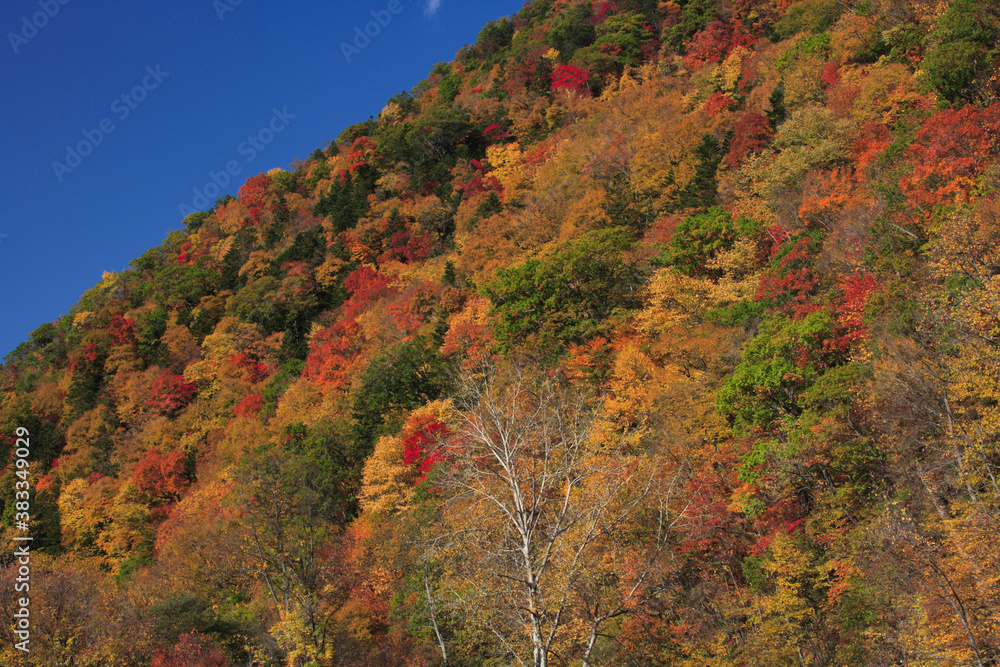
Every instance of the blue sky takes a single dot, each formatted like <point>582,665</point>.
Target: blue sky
<point>152,98</point>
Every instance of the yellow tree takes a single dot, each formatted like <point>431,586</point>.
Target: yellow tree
<point>939,391</point>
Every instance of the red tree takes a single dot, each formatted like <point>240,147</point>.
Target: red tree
<point>162,475</point>
<point>363,151</point>
<point>752,134</point>
<point>495,132</point>
<point>718,102</point>
<point>570,78</point>
<point>192,650</point>
<point>332,353</point>
<point>170,393</point>
<point>607,8</point>
<point>868,144</point>
<point>249,406</point>
<point>949,152</point>
<point>857,290</point>
<point>366,285</point>
<point>405,246</point>
<point>419,449</point>
<point>248,368</point>
<point>122,330</point>
<point>791,285</point>
<point>482,180</point>
<point>714,43</point>
<point>87,361</point>
<point>254,195</point>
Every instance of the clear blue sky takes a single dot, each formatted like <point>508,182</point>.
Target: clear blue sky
<point>205,84</point>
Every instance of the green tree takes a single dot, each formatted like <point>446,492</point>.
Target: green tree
<point>449,274</point>
<point>626,207</point>
<point>291,508</point>
<point>151,327</point>
<point>964,54</point>
<point>626,35</point>
<point>784,360</point>
<point>571,30</point>
<point>777,113</point>
<point>695,15</point>
<point>567,297</point>
<point>230,278</point>
<point>700,238</point>
<point>183,285</point>
<point>493,39</point>
<point>703,189</point>
<point>404,377</point>
<point>193,222</point>
<point>347,199</point>
<point>258,303</point>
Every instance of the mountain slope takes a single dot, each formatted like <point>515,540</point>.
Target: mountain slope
<point>640,333</point>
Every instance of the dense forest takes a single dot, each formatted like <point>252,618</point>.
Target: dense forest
<point>642,333</point>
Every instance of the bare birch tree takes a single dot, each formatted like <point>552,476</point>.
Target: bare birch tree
<point>535,507</point>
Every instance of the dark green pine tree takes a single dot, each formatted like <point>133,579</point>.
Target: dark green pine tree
<point>777,115</point>
<point>702,191</point>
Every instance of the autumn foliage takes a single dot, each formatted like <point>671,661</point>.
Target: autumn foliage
<point>752,134</point>
<point>420,449</point>
<point>250,406</point>
<point>571,79</point>
<point>191,650</point>
<point>949,152</point>
<point>169,393</point>
<point>162,475</point>
<point>253,195</point>
<point>122,330</point>
<point>714,43</point>
<point>642,333</point>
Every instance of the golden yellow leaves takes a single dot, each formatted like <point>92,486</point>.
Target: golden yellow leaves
<point>328,273</point>
<point>785,613</point>
<point>526,114</point>
<point>82,318</point>
<point>387,482</point>
<point>295,636</point>
<point>584,215</point>
<point>306,402</point>
<point>632,391</point>
<point>91,431</point>
<point>104,517</point>
<point>255,266</point>
<point>131,392</point>
<point>885,92</point>
<point>230,336</point>
<point>508,167</point>
<point>678,299</point>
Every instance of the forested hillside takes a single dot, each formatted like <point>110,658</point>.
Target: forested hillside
<point>642,333</point>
